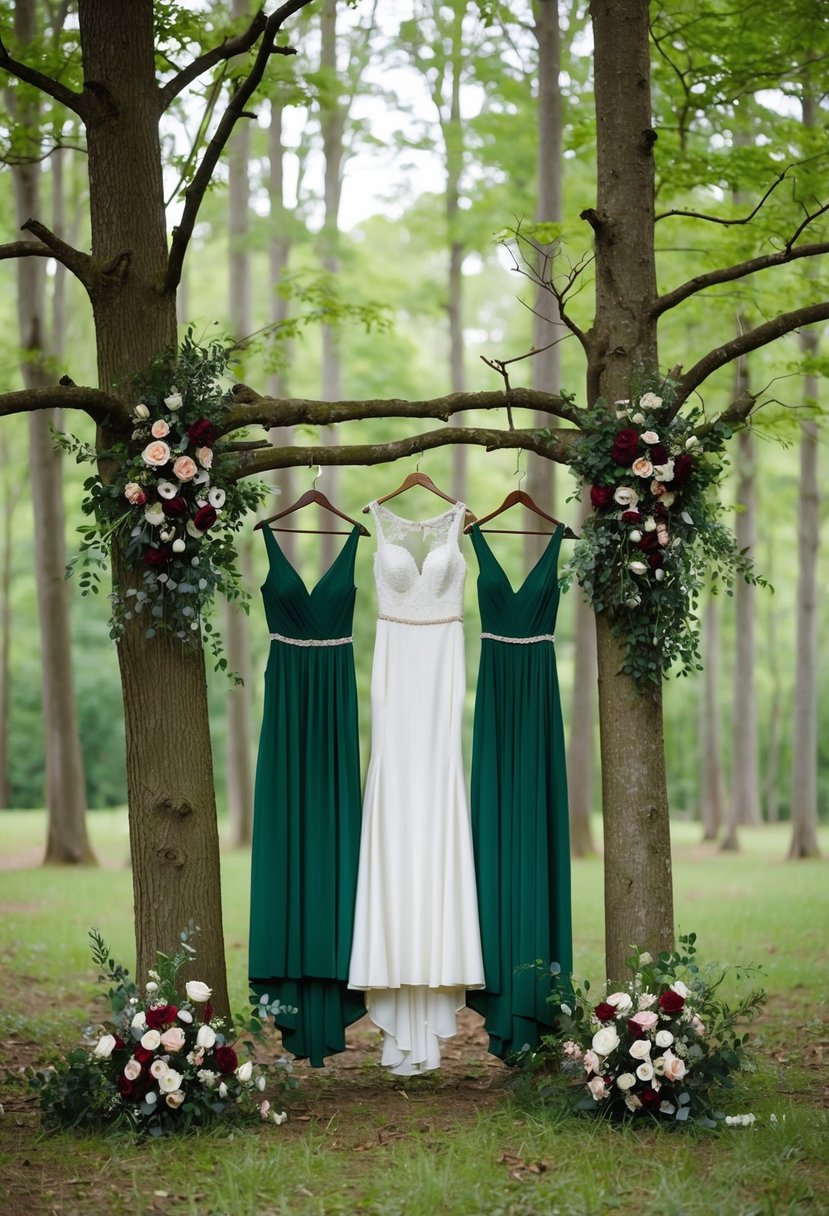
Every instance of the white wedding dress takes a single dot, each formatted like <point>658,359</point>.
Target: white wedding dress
<point>416,942</point>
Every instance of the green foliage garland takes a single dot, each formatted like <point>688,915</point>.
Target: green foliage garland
<point>171,507</point>
<point>655,530</point>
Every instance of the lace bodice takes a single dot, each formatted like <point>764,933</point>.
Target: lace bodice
<point>418,567</point>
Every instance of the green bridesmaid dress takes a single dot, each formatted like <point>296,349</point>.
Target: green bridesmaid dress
<point>520,822</point>
<point>306,830</point>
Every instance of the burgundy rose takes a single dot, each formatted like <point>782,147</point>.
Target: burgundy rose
<point>624,446</point>
<point>174,506</point>
<point>226,1060</point>
<point>660,510</point>
<point>202,433</point>
<point>659,454</point>
<point>649,1097</point>
<point>205,517</point>
<point>635,1030</point>
<point>119,1042</point>
<point>631,517</point>
<point>160,1016</point>
<point>142,1085</point>
<point>605,1012</point>
<point>683,466</point>
<point>143,1054</point>
<point>649,542</point>
<point>157,557</point>
<point>671,1002</point>
<point>125,1086</point>
<point>601,496</point>
<point>655,560</point>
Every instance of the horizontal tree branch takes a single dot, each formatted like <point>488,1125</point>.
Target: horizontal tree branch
<point>53,88</point>
<point>727,274</point>
<point>100,406</point>
<point>750,339</point>
<point>73,259</point>
<point>250,409</point>
<point>716,219</point>
<point>194,193</point>
<point>198,66</point>
<point>553,446</point>
<point>735,416</point>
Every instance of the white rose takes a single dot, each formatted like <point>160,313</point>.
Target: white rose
<point>680,989</point>
<point>626,497</point>
<point>197,992</point>
<point>151,986</point>
<point>151,1040</point>
<point>641,1049</point>
<point>206,1036</point>
<point>664,472</point>
<point>245,1071</point>
<point>620,1001</point>
<point>174,401</point>
<point>132,1069</point>
<point>184,1015</point>
<point>637,418</point>
<point>158,1068</point>
<point>175,1099</point>
<point>650,401</point>
<point>139,1020</point>
<point>154,514</point>
<point>645,1071</point>
<point>625,1080</point>
<point>141,410</point>
<point>105,1046</point>
<point>170,1082</point>
<point>664,1038</point>
<point>605,1040</point>
<point>638,567</point>
<point>649,437</point>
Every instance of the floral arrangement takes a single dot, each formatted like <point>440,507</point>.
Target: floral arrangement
<point>658,1047</point>
<point>162,1064</point>
<point>172,504</point>
<point>655,531</point>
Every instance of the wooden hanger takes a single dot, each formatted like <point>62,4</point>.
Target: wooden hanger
<point>523,499</point>
<point>420,479</point>
<point>307,499</point>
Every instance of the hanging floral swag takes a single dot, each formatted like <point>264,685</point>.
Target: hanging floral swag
<point>655,530</point>
<point>171,507</point>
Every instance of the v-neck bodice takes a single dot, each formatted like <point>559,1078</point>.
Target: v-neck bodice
<point>528,611</point>
<point>324,612</point>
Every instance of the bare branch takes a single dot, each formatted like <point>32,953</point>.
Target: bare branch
<point>727,274</point>
<point>251,409</point>
<point>100,406</point>
<point>80,264</point>
<point>735,416</point>
<point>750,339</point>
<point>46,84</point>
<point>197,67</point>
<point>554,445</point>
<point>194,193</point>
<point>716,219</point>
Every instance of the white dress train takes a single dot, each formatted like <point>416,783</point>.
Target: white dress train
<point>416,942</point>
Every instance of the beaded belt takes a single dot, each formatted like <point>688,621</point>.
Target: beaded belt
<point>278,637</point>
<point>402,620</point>
<point>542,637</point>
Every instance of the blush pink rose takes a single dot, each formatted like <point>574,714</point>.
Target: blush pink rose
<point>205,457</point>
<point>134,494</point>
<point>156,454</point>
<point>185,468</point>
<point>674,1068</point>
<point>658,488</point>
<point>645,1019</point>
<point>173,1039</point>
<point>597,1088</point>
<point>591,1061</point>
<point>160,429</point>
<point>642,467</point>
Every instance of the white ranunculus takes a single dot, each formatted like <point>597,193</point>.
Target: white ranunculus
<point>625,1080</point>
<point>179,545</point>
<point>626,497</point>
<point>132,1069</point>
<point>664,1038</point>
<point>151,1040</point>
<point>605,1040</point>
<point>141,410</point>
<point>245,1071</point>
<point>197,992</point>
<point>216,497</point>
<point>170,1082</point>
<point>105,1046</point>
<point>620,1001</point>
<point>649,437</point>
<point>154,514</point>
<point>638,567</point>
<point>174,401</point>
<point>650,401</point>
<point>640,1049</point>
<point>645,1071</point>
<point>206,1036</point>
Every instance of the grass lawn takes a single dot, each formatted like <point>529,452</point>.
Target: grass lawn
<point>460,1141</point>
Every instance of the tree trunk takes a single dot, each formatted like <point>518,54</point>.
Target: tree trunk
<point>637,845</point>
<point>580,745</point>
<point>239,752</point>
<point>173,830</point>
<point>67,841</point>
<point>453,139</point>
<point>770,794</point>
<point>710,777</point>
<point>804,841</point>
<point>745,763</point>
<point>11,497</point>
<point>546,366</point>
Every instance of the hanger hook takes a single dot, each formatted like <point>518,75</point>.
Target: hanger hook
<point>317,476</point>
<point>519,472</point>
<point>419,458</point>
